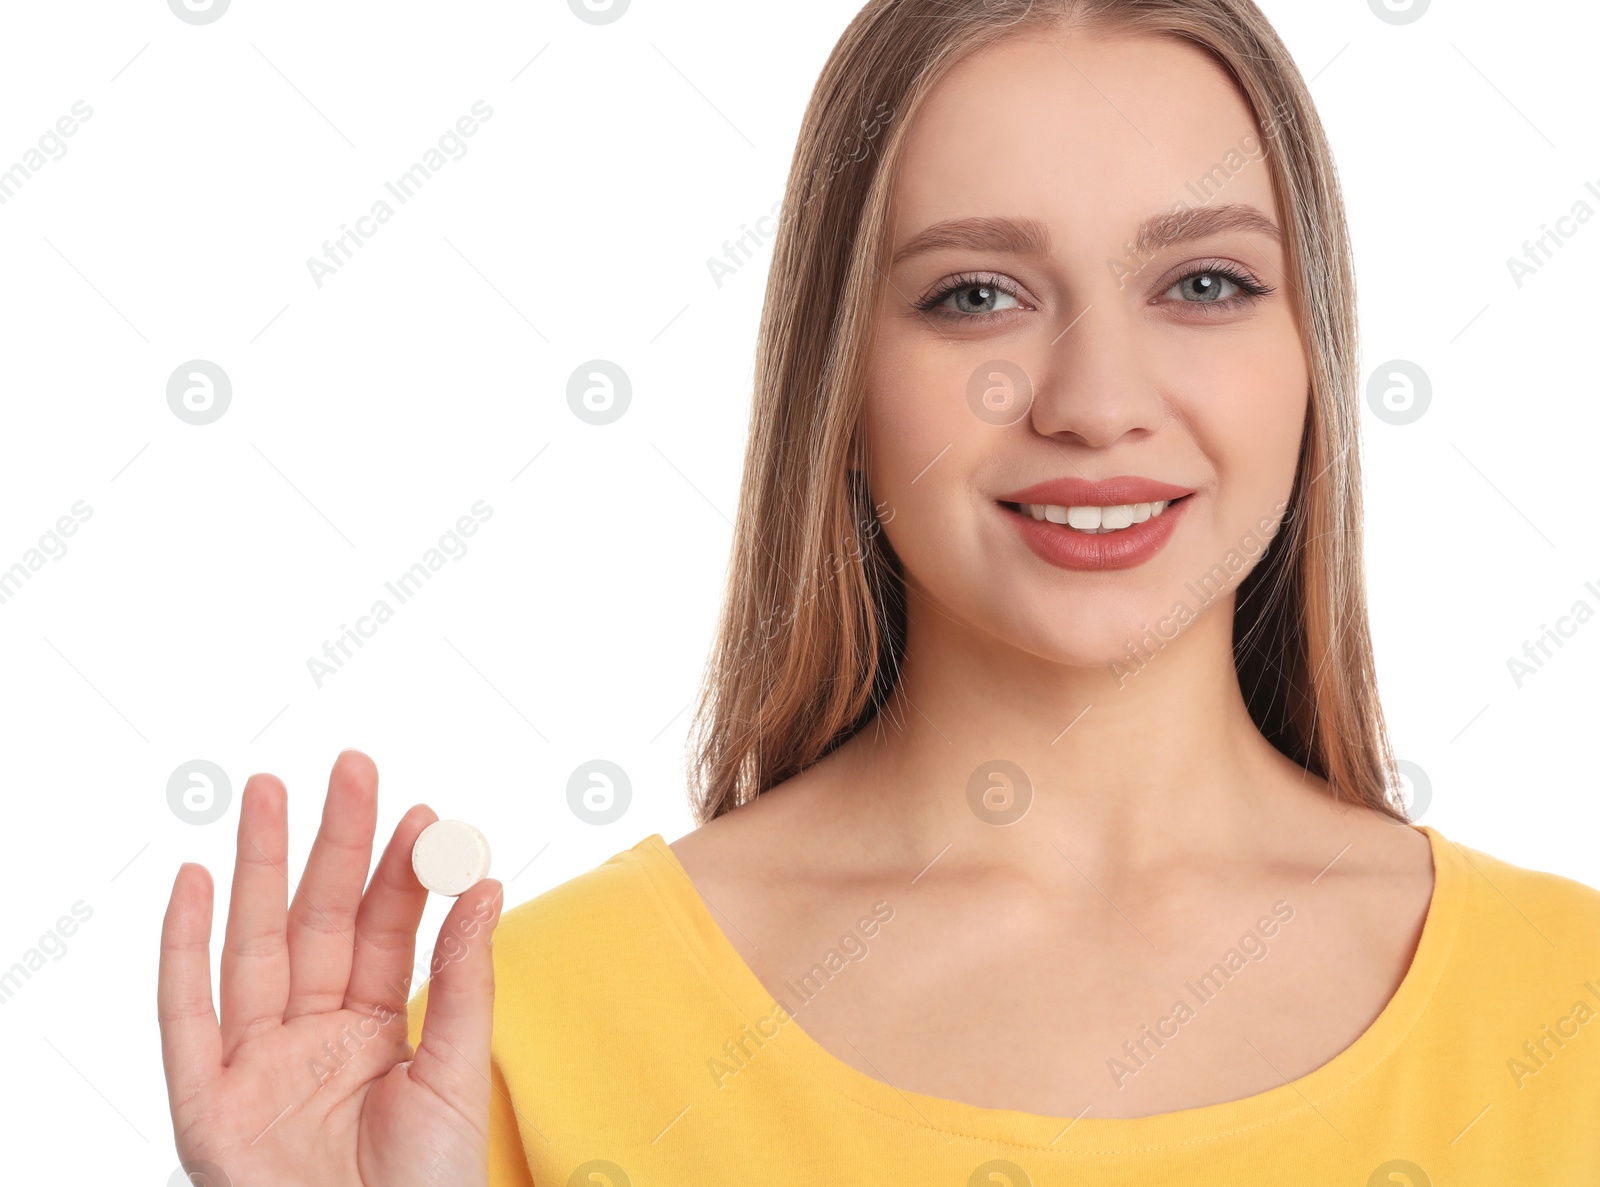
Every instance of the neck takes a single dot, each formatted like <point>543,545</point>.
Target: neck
<point>1136,762</point>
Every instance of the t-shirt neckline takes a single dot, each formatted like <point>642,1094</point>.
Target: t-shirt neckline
<point>726,969</point>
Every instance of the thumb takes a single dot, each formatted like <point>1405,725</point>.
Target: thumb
<point>452,1057</point>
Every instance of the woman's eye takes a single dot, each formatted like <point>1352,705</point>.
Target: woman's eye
<point>1204,287</point>
<point>1217,286</point>
<point>971,298</point>
<point>979,297</point>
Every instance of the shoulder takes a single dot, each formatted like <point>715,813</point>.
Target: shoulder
<point>612,909</point>
<point>1526,905</point>
<point>559,953</point>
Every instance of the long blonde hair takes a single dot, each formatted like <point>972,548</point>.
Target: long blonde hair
<point>812,629</point>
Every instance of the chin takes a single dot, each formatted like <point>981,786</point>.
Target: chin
<point>1110,640</point>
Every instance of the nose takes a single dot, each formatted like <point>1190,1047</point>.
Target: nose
<point>1093,384</point>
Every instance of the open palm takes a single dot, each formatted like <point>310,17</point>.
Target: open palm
<point>308,1079</point>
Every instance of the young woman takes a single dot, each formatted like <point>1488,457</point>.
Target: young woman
<point>1048,825</point>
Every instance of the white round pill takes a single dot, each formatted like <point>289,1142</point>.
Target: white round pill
<point>450,857</point>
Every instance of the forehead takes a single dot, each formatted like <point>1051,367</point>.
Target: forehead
<point>1089,132</point>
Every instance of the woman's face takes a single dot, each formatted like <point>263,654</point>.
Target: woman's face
<point>1002,361</point>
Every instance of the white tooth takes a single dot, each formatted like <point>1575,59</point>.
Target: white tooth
<point>1085,519</point>
<point>1116,517</point>
<point>1096,519</point>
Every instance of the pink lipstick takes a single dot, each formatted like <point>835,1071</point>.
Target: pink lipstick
<point>1115,523</point>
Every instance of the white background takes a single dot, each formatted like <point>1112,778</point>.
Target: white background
<point>430,372</point>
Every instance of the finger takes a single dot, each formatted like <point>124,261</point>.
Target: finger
<point>255,951</point>
<point>191,1041</point>
<point>322,917</point>
<point>452,1058</point>
<point>386,925</point>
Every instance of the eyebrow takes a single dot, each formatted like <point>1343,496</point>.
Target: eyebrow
<point>1029,236</point>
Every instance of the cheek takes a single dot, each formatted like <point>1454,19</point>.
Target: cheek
<point>1245,403</point>
<point>922,438</point>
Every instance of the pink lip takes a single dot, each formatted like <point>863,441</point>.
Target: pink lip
<point>1066,548</point>
<point>1108,492</point>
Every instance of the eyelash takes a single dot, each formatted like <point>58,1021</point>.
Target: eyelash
<point>1250,289</point>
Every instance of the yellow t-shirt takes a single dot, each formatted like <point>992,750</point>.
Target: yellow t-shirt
<point>633,1045</point>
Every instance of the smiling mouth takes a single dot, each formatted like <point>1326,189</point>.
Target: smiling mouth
<point>1094,520</point>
